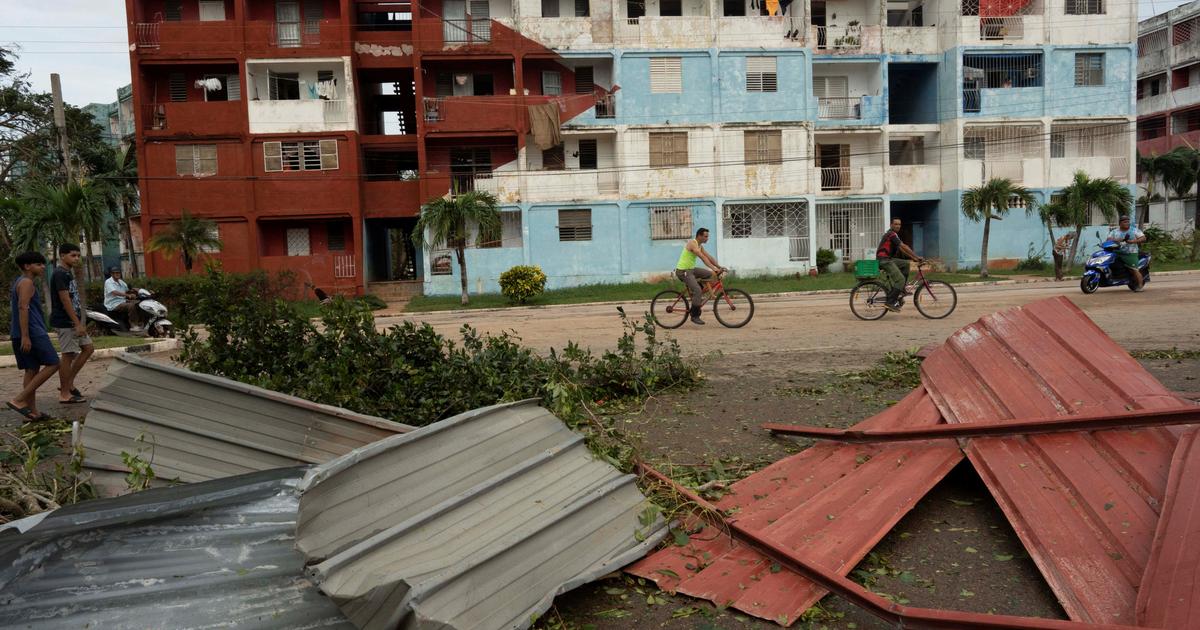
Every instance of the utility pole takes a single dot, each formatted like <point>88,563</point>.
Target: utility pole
<point>60,121</point>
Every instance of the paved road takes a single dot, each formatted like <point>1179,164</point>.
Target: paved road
<point>1164,316</point>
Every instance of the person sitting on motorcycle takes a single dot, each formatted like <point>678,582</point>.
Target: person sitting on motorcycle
<point>1128,255</point>
<point>894,267</point>
<point>120,301</point>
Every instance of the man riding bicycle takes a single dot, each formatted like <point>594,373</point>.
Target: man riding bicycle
<point>895,268</point>
<point>687,271</point>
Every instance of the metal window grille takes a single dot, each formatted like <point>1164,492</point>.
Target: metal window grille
<point>906,151</point>
<point>1019,70</point>
<point>1151,128</point>
<point>763,147</point>
<point>670,222</point>
<point>305,155</point>
<point>1089,69</point>
<point>1003,142</point>
<point>1096,140</point>
<point>770,220</point>
<point>177,87</point>
<point>298,243</point>
<point>606,106</point>
<point>853,227</point>
<point>574,225</point>
<point>335,234</point>
<point>551,83</point>
<point>668,149</point>
<point>984,8</point>
<point>1184,31</point>
<point>585,82</point>
<point>440,263</point>
<point>761,74</point>
<point>214,232</point>
<point>1152,42</point>
<point>666,75</point>
<point>588,154</point>
<point>343,266</point>
<point>1085,7</point>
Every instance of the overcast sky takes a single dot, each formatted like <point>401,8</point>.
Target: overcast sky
<point>86,42</point>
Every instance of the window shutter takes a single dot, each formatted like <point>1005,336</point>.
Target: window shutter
<point>584,80</point>
<point>329,155</point>
<point>551,83</point>
<point>272,157</point>
<point>554,159</point>
<point>444,85</point>
<point>587,154</point>
<point>656,150</point>
<point>272,86</point>
<point>212,10</point>
<point>177,87</point>
<point>233,87</point>
<point>480,10</point>
<point>666,75</point>
<point>574,225</point>
<point>549,8</point>
<point>335,236</point>
<point>760,74</point>
<point>680,150</point>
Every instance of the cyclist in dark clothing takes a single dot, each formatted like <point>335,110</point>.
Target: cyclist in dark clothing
<point>896,268</point>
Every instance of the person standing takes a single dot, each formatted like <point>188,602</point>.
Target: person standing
<point>30,338</point>
<point>65,317</point>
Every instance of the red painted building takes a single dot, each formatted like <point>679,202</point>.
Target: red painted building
<point>311,131</point>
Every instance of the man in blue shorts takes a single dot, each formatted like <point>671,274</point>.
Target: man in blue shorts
<point>30,338</point>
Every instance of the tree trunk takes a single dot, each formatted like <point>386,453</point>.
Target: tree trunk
<point>462,271</point>
<point>987,228</point>
<point>187,262</point>
<point>1058,259</point>
<point>1074,247</point>
<point>133,267</point>
<point>1195,240</point>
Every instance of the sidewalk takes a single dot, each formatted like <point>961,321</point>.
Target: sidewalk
<point>165,345</point>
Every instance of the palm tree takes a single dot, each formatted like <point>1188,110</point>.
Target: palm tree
<point>1153,168</point>
<point>121,185</point>
<point>61,213</point>
<point>991,201</point>
<point>1050,214</point>
<point>1086,194</point>
<point>187,236</point>
<point>445,222</point>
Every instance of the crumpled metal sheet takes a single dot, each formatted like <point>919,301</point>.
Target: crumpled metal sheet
<point>213,554</point>
<point>1169,594</point>
<point>197,427</point>
<point>475,522</point>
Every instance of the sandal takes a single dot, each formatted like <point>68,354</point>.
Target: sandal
<point>74,400</point>
<point>29,414</point>
<point>75,392</point>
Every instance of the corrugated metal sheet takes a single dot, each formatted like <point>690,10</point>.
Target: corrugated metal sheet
<point>1169,595</point>
<point>1085,504</point>
<point>213,554</point>
<point>202,427</point>
<point>831,502</point>
<point>474,522</point>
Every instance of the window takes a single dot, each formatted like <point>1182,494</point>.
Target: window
<point>670,223</point>
<point>304,155</point>
<point>760,74</point>
<point>177,87</point>
<point>733,8</point>
<point>336,235</point>
<point>297,242</point>
<point>906,151</point>
<point>550,8</point>
<point>212,10</point>
<point>770,220</point>
<point>1085,7</point>
<point>551,83</point>
<point>214,232</point>
<point>509,234</point>
<point>763,147</point>
<point>196,160</point>
<point>1058,145</point>
<point>666,75</point>
<point>585,82</point>
<point>228,87</point>
<point>582,8</point>
<point>441,265</point>
<point>973,148</point>
<point>553,159</point>
<point>587,155</point>
<point>1089,69</point>
<point>283,86</point>
<point>173,10</point>
<point>670,8</point>
<point>668,149</point>
<point>574,225</point>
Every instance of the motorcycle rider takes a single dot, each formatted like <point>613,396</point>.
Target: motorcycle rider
<point>120,301</point>
<point>1128,255</point>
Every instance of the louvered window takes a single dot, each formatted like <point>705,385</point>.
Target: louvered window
<point>336,235</point>
<point>831,87</point>
<point>587,155</point>
<point>195,160</point>
<point>1089,69</point>
<point>666,75</point>
<point>177,87</point>
<point>668,149</point>
<point>551,83</point>
<point>283,86</point>
<point>763,147</point>
<point>305,155</point>
<point>584,80</point>
<point>760,74</point>
<point>574,225</point>
<point>670,223</point>
<point>444,85</point>
<point>173,10</point>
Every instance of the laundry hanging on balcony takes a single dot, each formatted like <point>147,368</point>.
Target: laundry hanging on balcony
<point>327,90</point>
<point>211,84</point>
<point>544,125</point>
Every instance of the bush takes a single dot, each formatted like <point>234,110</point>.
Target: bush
<point>1033,261</point>
<point>522,283</point>
<point>825,257</point>
<point>181,294</point>
<point>1164,246</point>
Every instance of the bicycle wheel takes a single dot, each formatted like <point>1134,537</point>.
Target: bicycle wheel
<point>935,299</point>
<point>867,301</point>
<point>733,308</point>
<point>669,309</point>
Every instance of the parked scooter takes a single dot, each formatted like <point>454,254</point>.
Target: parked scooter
<point>153,311</point>
<point>1102,270</point>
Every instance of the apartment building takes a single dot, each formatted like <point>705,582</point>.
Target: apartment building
<point>313,130</point>
<point>1168,99</point>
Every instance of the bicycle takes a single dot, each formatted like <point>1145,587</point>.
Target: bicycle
<point>670,308</point>
<point>933,298</point>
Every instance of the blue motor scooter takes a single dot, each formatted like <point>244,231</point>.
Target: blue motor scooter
<point>1103,270</point>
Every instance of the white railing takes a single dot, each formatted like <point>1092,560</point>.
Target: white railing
<point>334,111</point>
<point>798,248</point>
<point>1002,28</point>
<point>147,34</point>
<point>839,108</point>
<point>840,178</point>
<point>433,108</point>
<point>1013,170</point>
<point>344,267</point>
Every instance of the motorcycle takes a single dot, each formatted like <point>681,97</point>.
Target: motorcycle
<point>155,314</point>
<point>1103,270</point>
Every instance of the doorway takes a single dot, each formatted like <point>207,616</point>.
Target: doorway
<point>391,255</point>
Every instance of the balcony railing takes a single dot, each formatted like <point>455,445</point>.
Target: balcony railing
<point>839,108</point>
<point>838,38</point>
<point>334,111</point>
<point>972,101</point>
<point>1002,28</point>
<point>147,34</point>
<point>606,106</point>
<point>840,178</point>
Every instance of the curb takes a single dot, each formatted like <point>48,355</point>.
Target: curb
<point>107,353</point>
<point>778,295</point>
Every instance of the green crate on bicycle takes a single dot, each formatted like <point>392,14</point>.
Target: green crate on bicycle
<point>864,269</point>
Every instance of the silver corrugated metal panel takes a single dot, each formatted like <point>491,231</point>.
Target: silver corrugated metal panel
<point>213,554</point>
<point>204,427</point>
<point>474,522</point>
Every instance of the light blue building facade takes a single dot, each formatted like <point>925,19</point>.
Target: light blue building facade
<point>791,133</point>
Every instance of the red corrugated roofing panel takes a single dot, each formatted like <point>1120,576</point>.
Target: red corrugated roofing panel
<point>831,502</point>
<point>1085,504</point>
<point>1169,596</point>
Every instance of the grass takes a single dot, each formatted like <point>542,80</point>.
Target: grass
<point>632,291</point>
<point>99,342</point>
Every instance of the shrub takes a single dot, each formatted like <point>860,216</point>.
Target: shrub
<point>1033,261</point>
<point>1164,246</point>
<point>825,257</point>
<point>523,282</point>
<point>181,294</point>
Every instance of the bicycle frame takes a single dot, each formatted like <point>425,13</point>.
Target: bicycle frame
<point>710,289</point>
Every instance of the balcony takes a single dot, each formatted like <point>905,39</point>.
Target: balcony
<point>914,178</point>
<point>303,95</point>
<point>851,39</point>
<point>314,36</point>
<point>735,32</point>
<point>1021,22</point>
<point>651,31</point>
<point>606,106</point>
<point>839,179</point>
<point>392,198</point>
<point>432,34</point>
<point>461,114</point>
<point>840,108</point>
<point>195,118</point>
<point>300,116</point>
<point>190,37</point>
<point>911,40</point>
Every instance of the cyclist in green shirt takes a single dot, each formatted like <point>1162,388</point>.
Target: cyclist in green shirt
<point>687,271</point>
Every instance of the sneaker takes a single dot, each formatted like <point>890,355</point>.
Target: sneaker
<point>892,306</point>
<point>696,320</point>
